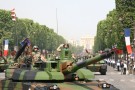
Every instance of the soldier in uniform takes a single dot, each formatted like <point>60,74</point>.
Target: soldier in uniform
<point>36,55</point>
<point>64,46</point>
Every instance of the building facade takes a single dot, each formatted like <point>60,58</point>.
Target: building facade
<point>87,42</point>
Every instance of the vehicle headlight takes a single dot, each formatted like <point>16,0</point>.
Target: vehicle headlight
<point>55,86</point>
<point>104,85</point>
<point>56,57</point>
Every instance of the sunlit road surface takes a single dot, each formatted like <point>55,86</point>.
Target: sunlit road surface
<point>2,75</point>
<point>122,82</point>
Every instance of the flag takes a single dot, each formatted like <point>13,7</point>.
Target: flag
<point>25,41</point>
<point>119,51</point>
<point>13,14</point>
<point>127,40</point>
<point>5,47</point>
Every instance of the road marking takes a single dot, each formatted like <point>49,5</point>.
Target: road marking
<point>111,79</point>
<point>132,80</point>
<point>112,73</point>
<point>101,80</point>
<point>122,80</point>
<point>119,73</point>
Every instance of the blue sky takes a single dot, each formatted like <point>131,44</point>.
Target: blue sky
<point>76,18</point>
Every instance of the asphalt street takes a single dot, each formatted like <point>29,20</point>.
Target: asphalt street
<point>2,76</point>
<point>122,82</point>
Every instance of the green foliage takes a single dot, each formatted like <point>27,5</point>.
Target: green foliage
<point>110,31</point>
<point>17,30</point>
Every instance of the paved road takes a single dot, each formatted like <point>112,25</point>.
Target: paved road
<point>2,76</point>
<point>122,82</point>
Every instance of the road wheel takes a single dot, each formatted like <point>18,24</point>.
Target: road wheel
<point>103,72</point>
<point>1,70</point>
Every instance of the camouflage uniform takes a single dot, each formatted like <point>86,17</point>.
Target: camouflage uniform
<point>36,56</point>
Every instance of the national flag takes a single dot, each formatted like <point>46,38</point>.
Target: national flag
<point>119,51</point>
<point>127,40</point>
<point>6,48</point>
<point>13,14</point>
<point>25,41</point>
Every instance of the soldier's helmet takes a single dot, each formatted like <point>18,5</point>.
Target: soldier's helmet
<point>35,47</point>
<point>66,46</point>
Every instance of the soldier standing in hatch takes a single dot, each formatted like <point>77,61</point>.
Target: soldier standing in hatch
<point>64,46</point>
<point>37,55</point>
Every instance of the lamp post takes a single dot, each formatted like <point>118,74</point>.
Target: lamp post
<point>111,38</point>
<point>34,38</point>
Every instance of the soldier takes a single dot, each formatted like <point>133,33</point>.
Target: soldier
<point>122,67</point>
<point>64,52</point>
<point>64,46</point>
<point>37,55</point>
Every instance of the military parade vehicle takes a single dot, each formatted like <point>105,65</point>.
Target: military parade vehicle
<point>57,73</point>
<point>3,63</point>
<point>98,67</point>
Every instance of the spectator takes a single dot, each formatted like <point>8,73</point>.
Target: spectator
<point>118,65</point>
<point>134,69</point>
<point>122,67</point>
<point>125,68</point>
<point>130,67</point>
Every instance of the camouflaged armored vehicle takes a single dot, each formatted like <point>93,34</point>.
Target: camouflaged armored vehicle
<point>98,67</point>
<point>54,74</point>
<point>3,63</point>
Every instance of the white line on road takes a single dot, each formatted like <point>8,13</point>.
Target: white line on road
<point>111,79</point>
<point>132,80</point>
<point>122,80</point>
<point>112,73</point>
<point>101,80</point>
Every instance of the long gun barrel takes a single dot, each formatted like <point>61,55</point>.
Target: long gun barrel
<point>82,64</point>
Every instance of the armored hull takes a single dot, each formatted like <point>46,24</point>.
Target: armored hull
<point>63,85</point>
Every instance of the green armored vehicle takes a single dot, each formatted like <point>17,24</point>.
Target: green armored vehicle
<point>98,67</point>
<point>3,63</point>
<point>55,74</point>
